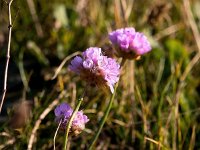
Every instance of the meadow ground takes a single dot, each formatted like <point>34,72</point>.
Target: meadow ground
<point>156,105</point>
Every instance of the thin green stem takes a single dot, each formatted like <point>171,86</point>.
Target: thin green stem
<point>103,120</point>
<point>70,122</point>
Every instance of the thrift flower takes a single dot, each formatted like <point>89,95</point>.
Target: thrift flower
<point>129,43</point>
<point>63,113</point>
<point>79,122</point>
<point>96,68</point>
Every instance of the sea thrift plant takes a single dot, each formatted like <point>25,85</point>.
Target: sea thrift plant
<point>129,43</point>
<point>63,113</point>
<point>96,68</point>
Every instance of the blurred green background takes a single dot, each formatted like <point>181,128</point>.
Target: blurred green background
<point>157,102</point>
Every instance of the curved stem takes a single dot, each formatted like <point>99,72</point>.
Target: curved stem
<point>103,120</point>
<point>54,139</point>
<point>70,122</point>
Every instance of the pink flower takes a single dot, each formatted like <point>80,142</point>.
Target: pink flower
<point>79,122</point>
<point>96,69</point>
<point>140,44</point>
<point>129,43</point>
<point>76,64</point>
<point>63,113</point>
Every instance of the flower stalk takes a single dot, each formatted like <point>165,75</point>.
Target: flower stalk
<point>70,122</point>
<point>103,120</point>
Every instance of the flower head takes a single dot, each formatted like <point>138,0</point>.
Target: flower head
<point>63,113</point>
<point>96,68</point>
<point>79,122</point>
<point>129,43</point>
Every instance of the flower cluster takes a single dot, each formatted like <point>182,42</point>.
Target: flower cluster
<point>63,113</point>
<point>96,68</point>
<point>101,71</point>
<point>129,43</point>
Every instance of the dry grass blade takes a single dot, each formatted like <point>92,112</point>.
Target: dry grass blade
<point>9,142</point>
<point>42,116</point>
<point>37,124</point>
<point>194,28</point>
<point>63,63</point>
<point>5,134</point>
<point>154,141</point>
<point>34,15</point>
<point>8,53</point>
<point>168,31</point>
<point>54,139</point>
<point>192,140</point>
<point>190,17</point>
